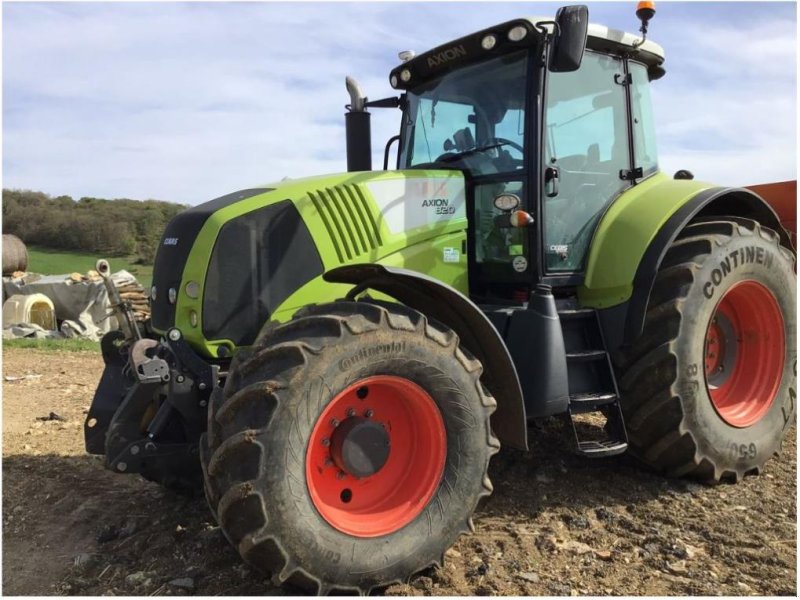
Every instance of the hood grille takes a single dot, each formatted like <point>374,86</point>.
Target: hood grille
<point>351,225</point>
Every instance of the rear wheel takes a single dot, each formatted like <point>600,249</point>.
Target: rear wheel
<point>709,389</point>
<point>350,448</point>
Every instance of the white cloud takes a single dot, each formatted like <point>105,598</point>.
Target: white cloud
<point>188,102</point>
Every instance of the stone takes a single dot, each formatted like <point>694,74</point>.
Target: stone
<point>529,576</point>
<point>186,583</point>
<point>135,578</point>
<point>82,560</point>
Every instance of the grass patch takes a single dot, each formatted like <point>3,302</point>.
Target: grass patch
<point>54,345</point>
<point>57,262</point>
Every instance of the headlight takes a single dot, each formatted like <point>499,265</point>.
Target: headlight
<point>193,290</point>
<point>517,34</point>
<point>488,42</point>
<point>405,75</point>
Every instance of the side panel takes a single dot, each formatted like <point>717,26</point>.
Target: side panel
<point>440,257</point>
<point>352,218</point>
<point>624,234</point>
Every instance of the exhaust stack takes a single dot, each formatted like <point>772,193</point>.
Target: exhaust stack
<point>357,129</point>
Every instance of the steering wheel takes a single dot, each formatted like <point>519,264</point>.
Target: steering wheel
<point>506,142</point>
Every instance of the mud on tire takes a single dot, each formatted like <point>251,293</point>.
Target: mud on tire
<point>672,422</point>
<point>254,453</point>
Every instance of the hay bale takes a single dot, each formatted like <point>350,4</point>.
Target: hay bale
<point>15,254</point>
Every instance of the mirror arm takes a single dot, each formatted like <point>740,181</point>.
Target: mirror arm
<point>540,26</point>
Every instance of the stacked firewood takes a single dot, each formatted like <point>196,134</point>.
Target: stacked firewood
<point>137,296</point>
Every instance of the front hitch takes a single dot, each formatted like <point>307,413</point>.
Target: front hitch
<point>149,409</point>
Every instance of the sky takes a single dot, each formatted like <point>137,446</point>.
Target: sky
<point>186,102</point>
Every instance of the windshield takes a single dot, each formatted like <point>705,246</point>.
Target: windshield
<point>474,115</point>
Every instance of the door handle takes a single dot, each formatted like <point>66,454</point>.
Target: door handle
<point>551,177</point>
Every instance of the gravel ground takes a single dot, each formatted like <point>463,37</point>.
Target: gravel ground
<point>557,524</point>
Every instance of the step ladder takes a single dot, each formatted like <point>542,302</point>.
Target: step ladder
<point>592,384</point>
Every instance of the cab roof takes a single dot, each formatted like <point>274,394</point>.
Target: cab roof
<point>468,49</point>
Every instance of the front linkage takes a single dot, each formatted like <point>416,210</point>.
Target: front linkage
<point>150,406</point>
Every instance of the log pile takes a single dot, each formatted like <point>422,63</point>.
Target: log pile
<point>137,296</point>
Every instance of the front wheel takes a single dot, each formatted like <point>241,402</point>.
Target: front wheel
<point>350,449</point>
<point>709,390</point>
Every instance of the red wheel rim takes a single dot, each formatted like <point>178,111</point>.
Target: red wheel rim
<point>394,495</point>
<point>745,353</point>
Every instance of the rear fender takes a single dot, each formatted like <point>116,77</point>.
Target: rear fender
<point>450,307</point>
<point>714,202</point>
<point>636,236</point>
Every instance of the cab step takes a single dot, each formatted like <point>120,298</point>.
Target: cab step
<point>590,402</point>
<point>595,449</point>
<point>586,355</point>
<point>592,384</point>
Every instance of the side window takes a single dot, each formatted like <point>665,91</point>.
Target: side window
<point>644,129</point>
<point>586,145</point>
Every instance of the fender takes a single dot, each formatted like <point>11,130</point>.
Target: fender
<point>450,307</point>
<point>634,235</point>
<point>714,202</point>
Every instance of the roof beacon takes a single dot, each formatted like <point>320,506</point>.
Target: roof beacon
<point>645,10</point>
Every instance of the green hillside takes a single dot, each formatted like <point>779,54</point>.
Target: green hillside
<point>57,262</point>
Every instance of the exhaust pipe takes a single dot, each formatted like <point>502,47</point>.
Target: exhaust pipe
<point>357,129</point>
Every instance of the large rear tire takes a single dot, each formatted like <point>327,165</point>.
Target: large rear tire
<point>709,389</point>
<point>350,448</point>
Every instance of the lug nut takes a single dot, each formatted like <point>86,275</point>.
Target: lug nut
<point>341,475</point>
<point>369,413</point>
<point>351,412</point>
<point>328,461</point>
<point>203,403</point>
<point>334,422</point>
<point>180,379</point>
<point>202,386</point>
<point>134,450</point>
<point>326,442</point>
<point>121,466</point>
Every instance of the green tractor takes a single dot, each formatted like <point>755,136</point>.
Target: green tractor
<point>336,359</point>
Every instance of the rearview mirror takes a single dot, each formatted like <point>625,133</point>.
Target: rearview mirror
<point>569,41</point>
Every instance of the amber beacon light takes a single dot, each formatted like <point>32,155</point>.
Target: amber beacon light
<point>645,11</point>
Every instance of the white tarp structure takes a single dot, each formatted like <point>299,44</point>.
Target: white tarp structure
<point>82,307</point>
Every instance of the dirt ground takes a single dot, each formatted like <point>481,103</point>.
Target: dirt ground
<point>557,524</point>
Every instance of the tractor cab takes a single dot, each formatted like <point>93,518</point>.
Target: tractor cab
<point>549,121</point>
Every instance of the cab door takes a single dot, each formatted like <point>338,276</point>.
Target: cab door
<point>586,157</point>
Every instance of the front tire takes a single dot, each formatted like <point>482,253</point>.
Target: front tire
<point>350,449</point>
<point>709,389</point>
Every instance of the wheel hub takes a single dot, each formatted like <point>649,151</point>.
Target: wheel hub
<point>360,447</point>
<point>744,353</point>
<point>376,455</point>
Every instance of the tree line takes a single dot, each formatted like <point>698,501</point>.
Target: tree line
<point>119,227</point>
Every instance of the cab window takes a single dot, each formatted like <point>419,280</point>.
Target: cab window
<point>586,147</point>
